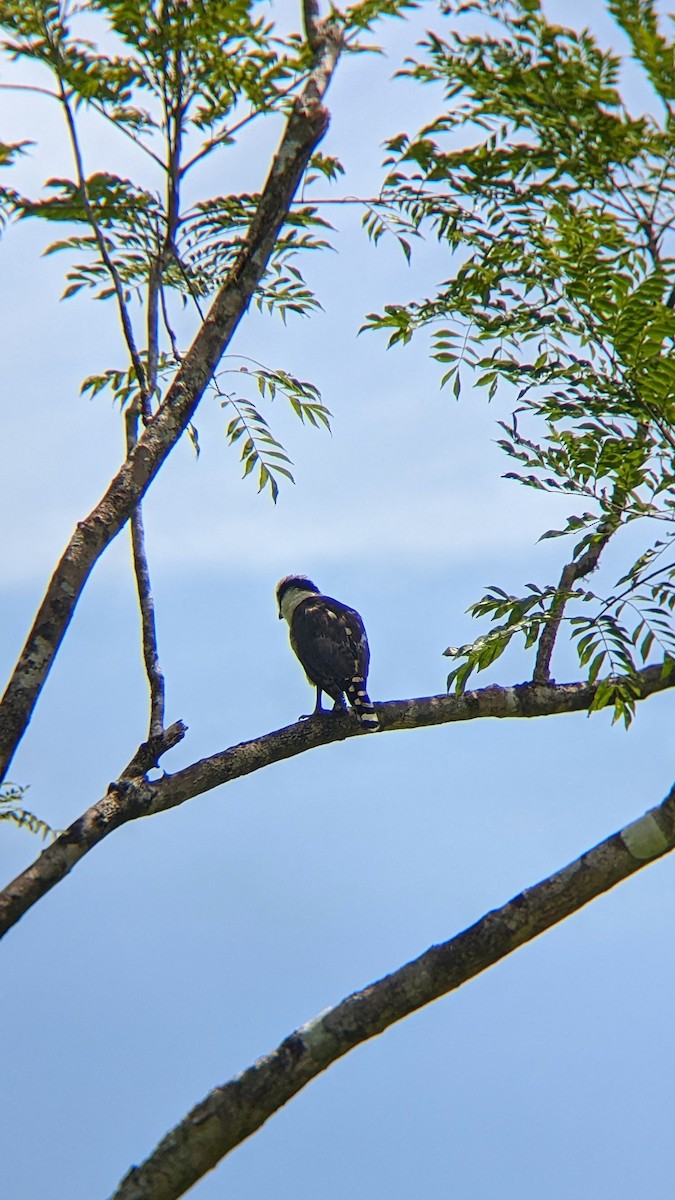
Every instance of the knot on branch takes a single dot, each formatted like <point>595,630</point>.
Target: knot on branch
<point>150,752</point>
<point>310,109</point>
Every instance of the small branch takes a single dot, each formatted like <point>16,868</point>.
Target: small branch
<point>640,581</point>
<point>103,250</point>
<point>571,572</point>
<point>170,332</point>
<point>542,666</point>
<point>303,131</point>
<point>154,286</point>
<point>149,753</point>
<point>235,1110</point>
<point>229,132</point>
<point>132,134</point>
<point>98,107</point>
<point>134,796</point>
<point>145,598</point>
<point>127,798</point>
<point>29,87</point>
<point>312,23</point>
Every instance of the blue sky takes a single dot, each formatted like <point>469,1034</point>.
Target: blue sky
<point>189,944</point>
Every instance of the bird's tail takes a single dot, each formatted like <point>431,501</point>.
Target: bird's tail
<point>360,702</point>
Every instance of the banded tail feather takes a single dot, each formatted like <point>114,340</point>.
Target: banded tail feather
<point>361,703</point>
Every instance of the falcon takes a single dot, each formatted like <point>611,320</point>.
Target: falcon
<point>330,641</point>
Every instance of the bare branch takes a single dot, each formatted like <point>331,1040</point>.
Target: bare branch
<point>542,666</point>
<point>134,796</point>
<point>303,131</point>
<point>230,131</point>
<point>145,598</point>
<point>170,332</point>
<point>128,797</point>
<point>149,753</point>
<point>154,286</point>
<point>29,87</point>
<point>235,1110</point>
<point>571,572</point>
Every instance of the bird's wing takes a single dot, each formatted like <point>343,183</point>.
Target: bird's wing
<point>330,640</point>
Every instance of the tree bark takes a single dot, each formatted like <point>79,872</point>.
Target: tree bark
<point>133,795</point>
<point>304,130</point>
<point>232,1112</point>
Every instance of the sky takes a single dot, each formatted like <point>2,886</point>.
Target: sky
<point>189,944</point>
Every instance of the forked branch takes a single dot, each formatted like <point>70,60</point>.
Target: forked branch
<point>133,795</point>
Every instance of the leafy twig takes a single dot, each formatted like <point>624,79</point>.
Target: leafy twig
<point>11,809</point>
<point>104,252</point>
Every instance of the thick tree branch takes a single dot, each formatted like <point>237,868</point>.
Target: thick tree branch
<point>234,1111</point>
<point>133,795</point>
<point>304,129</point>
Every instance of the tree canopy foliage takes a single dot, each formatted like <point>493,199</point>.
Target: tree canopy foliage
<point>552,204</point>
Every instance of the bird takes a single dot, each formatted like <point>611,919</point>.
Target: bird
<point>330,641</point>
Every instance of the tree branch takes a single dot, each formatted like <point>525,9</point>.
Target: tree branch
<point>150,752</point>
<point>312,23</point>
<point>154,286</point>
<point>304,129</point>
<point>571,572</point>
<point>125,319</point>
<point>145,598</point>
<point>235,1110</point>
<point>126,798</point>
<point>133,795</point>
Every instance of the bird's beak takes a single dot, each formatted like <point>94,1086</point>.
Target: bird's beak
<point>280,614</point>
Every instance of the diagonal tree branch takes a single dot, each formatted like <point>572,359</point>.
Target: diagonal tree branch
<point>235,1110</point>
<point>304,129</point>
<point>133,795</point>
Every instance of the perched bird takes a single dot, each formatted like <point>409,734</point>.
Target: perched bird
<point>330,641</point>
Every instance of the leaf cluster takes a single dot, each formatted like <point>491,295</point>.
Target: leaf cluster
<point>554,205</point>
<point>259,448</point>
<point>184,81</point>
<point>11,809</point>
<point>624,631</point>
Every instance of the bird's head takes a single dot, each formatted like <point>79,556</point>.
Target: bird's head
<point>291,590</point>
